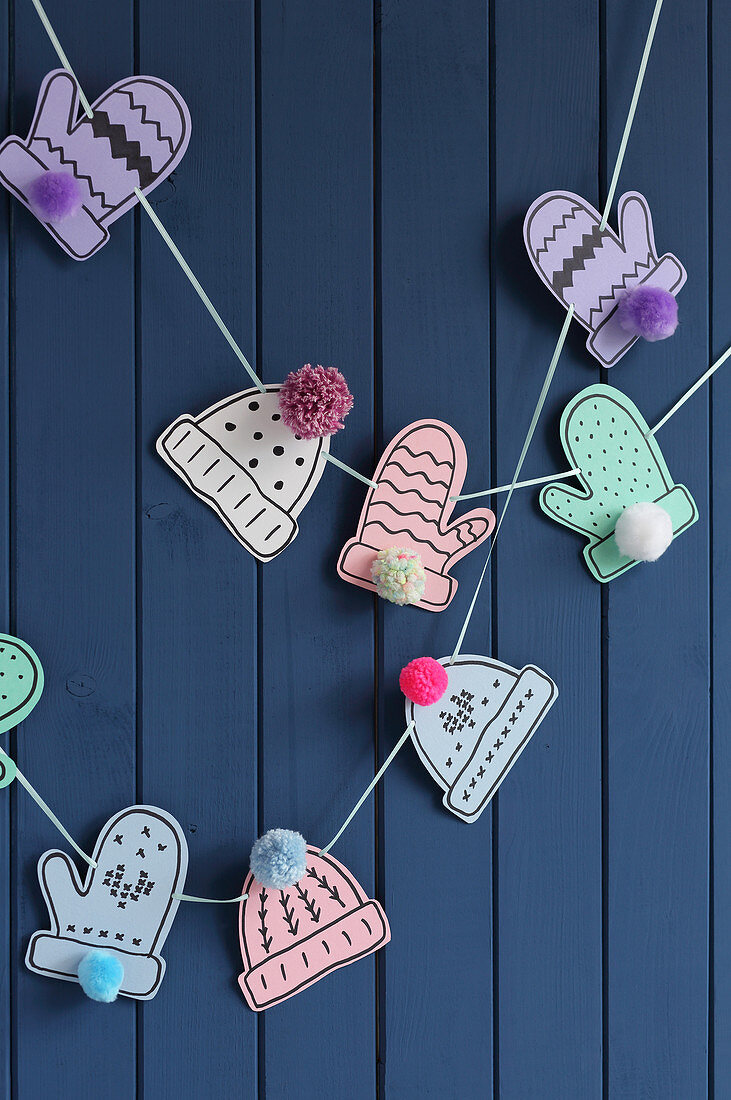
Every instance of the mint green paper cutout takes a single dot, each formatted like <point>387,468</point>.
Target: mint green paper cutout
<point>8,771</point>
<point>604,435</point>
<point>21,681</point>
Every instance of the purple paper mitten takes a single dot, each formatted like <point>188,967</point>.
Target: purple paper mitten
<point>138,134</point>
<point>594,269</point>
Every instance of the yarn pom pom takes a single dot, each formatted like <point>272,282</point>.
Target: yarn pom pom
<point>279,858</point>
<point>55,196</point>
<point>398,575</point>
<point>314,401</point>
<point>643,532</point>
<point>100,976</point>
<point>423,681</point>
<point>649,311</point>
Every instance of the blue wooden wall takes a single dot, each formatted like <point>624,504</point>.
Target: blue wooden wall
<point>353,194</point>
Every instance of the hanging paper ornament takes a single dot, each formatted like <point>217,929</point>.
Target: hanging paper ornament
<point>595,269</point>
<point>621,464</point>
<point>292,937</point>
<point>124,907</point>
<point>8,771</point>
<point>21,681</point>
<point>422,467</point>
<point>471,738</point>
<point>78,174</point>
<point>241,459</point>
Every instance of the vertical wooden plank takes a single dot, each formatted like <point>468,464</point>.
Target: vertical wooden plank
<point>434,312</point>
<point>316,632</point>
<point>720,388</point>
<point>6,946</point>
<point>658,621</point>
<point>74,520</point>
<point>197,602</point>
<point>548,811</point>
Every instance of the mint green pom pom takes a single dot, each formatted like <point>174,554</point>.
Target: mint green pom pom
<point>398,575</point>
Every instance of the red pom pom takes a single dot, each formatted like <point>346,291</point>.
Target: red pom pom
<point>314,401</point>
<point>423,681</point>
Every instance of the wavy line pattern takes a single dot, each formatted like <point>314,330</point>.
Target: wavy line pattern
<point>552,238</point>
<point>79,175</point>
<point>580,256</point>
<point>142,108</point>
<point>415,473</point>
<point>122,148</point>
<point>639,267</point>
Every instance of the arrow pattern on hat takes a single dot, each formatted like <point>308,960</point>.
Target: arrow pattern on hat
<point>292,938</point>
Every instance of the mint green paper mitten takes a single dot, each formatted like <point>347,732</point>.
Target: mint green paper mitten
<point>604,436</point>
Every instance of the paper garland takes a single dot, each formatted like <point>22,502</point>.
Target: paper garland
<point>471,738</point>
<point>292,938</point>
<point>138,134</point>
<point>241,459</point>
<point>125,904</point>
<point>422,467</point>
<point>590,269</point>
<point>594,268</point>
<point>606,437</point>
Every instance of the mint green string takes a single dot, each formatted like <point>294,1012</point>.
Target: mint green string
<point>199,289</point>
<point>689,393</point>
<point>348,469</point>
<point>518,485</point>
<point>526,444</point>
<point>61,55</point>
<point>210,901</point>
<point>48,811</point>
<point>391,757</point>
<point>631,115</point>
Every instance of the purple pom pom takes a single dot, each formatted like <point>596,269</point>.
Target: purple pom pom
<point>55,196</point>
<point>649,311</point>
<point>314,400</point>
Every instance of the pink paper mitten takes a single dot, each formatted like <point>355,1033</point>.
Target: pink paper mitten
<point>419,471</point>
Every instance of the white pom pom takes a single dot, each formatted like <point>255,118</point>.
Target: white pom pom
<point>644,531</point>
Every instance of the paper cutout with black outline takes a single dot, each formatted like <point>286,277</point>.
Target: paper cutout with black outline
<point>125,905</point>
<point>594,270</point>
<point>21,681</point>
<point>471,738</point>
<point>245,463</point>
<point>8,771</point>
<point>605,436</point>
<point>291,938</point>
<point>138,135</point>
<point>422,467</point>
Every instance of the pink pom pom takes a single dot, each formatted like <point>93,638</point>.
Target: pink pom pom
<point>423,681</point>
<point>314,401</point>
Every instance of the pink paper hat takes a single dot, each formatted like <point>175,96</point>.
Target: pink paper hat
<point>422,467</point>
<point>593,268</point>
<point>293,937</point>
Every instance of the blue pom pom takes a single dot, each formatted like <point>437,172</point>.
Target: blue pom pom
<point>279,858</point>
<point>100,976</point>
